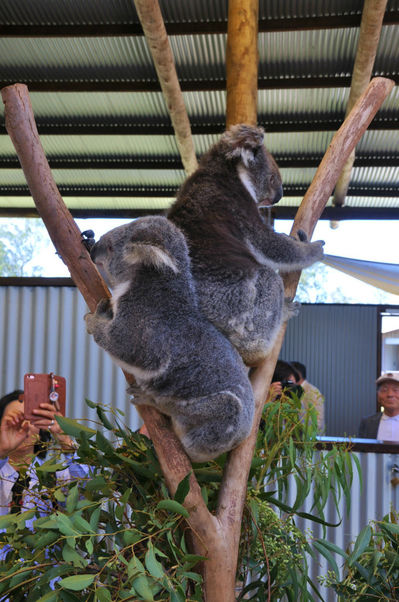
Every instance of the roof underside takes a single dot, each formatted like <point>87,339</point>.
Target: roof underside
<point>104,124</point>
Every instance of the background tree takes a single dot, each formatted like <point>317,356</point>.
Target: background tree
<point>21,242</point>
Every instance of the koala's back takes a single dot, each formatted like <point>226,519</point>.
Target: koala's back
<point>164,316</point>
<point>201,381</point>
<point>242,298</point>
<point>210,208</point>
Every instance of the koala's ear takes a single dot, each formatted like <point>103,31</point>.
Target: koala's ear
<point>241,142</point>
<point>149,255</point>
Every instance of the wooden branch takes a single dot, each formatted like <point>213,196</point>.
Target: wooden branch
<point>232,492</point>
<point>65,234</point>
<point>63,231</point>
<point>242,62</point>
<point>369,37</point>
<point>214,536</point>
<point>157,39</point>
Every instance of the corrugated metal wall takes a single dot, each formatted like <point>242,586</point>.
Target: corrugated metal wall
<point>338,345</point>
<point>43,331</point>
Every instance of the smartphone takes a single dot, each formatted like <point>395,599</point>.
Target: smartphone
<point>43,388</point>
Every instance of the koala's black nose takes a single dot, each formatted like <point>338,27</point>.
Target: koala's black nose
<point>279,194</point>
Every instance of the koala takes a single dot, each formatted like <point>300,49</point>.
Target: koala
<point>153,328</point>
<point>235,255</point>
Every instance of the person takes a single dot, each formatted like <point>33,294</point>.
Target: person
<point>24,446</point>
<point>285,377</point>
<point>311,395</point>
<point>384,425</point>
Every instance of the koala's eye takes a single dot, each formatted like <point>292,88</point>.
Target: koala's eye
<point>110,247</point>
<point>272,179</point>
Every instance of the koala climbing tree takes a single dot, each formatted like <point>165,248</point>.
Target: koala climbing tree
<point>214,535</point>
<point>234,253</point>
<point>153,328</point>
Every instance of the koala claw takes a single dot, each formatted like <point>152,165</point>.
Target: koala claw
<point>303,237</point>
<point>291,308</point>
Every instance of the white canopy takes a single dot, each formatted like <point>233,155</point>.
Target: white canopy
<point>380,275</point>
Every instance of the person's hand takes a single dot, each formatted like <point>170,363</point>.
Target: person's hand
<point>275,391</point>
<point>14,430</point>
<point>46,413</point>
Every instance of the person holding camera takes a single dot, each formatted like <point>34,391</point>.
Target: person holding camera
<point>25,445</point>
<point>311,395</point>
<point>285,379</point>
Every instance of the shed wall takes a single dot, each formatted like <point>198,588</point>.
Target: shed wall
<point>338,345</point>
<point>43,331</point>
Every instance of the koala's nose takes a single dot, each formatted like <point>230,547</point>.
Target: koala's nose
<point>279,194</point>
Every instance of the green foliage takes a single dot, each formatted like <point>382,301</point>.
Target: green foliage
<point>371,569</point>
<point>119,535</point>
<point>273,551</point>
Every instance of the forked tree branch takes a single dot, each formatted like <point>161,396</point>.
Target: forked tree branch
<point>217,536</point>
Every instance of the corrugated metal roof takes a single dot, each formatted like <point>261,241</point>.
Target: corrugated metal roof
<point>104,124</point>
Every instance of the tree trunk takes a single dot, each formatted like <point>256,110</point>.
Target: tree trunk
<point>242,62</point>
<point>215,536</point>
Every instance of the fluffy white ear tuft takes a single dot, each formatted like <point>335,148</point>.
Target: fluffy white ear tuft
<point>149,255</point>
<point>241,141</point>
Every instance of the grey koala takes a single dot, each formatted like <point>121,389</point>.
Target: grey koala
<point>235,255</point>
<point>153,328</point>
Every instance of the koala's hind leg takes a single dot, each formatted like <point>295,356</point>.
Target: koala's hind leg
<point>290,308</point>
<point>211,425</point>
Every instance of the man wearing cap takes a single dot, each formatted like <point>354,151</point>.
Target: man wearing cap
<point>384,426</point>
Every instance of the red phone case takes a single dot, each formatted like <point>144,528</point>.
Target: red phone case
<point>43,388</point>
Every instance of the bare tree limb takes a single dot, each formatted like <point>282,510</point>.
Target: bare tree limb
<point>157,39</point>
<point>369,36</point>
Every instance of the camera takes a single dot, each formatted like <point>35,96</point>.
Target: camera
<point>290,388</point>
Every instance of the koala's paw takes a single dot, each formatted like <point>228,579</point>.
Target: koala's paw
<point>317,248</point>
<point>90,320</point>
<point>291,308</point>
<point>140,397</point>
<point>104,308</point>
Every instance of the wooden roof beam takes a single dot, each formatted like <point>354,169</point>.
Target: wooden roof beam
<point>157,39</point>
<point>78,30</point>
<point>58,126</point>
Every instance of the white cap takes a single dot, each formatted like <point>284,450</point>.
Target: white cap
<point>388,376</point>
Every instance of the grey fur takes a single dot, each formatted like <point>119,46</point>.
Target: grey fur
<point>235,255</point>
<point>154,329</point>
